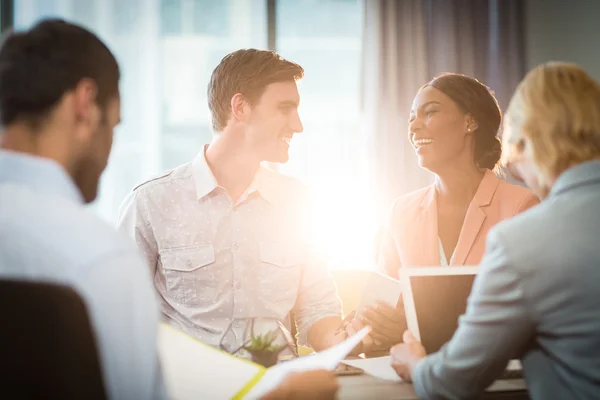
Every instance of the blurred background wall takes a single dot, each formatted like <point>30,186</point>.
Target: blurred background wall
<point>364,61</point>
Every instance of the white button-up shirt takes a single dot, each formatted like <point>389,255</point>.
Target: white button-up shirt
<point>47,235</point>
<point>216,264</point>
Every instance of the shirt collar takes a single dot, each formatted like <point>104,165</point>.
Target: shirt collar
<point>38,173</point>
<point>265,183</point>
<point>205,182</point>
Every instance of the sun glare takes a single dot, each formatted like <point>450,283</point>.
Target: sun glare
<point>344,225</point>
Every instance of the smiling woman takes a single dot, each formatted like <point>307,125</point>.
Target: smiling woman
<point>455,117</point>
<point>453,126</point>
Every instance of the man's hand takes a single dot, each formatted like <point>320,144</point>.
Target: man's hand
<point>387,322</point>
<point>365,345</point>
<point>350,327</point>
<point>406,355</point>
<point>320,385</point>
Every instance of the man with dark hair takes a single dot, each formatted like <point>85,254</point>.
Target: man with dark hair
<point>59,104</point>
<point>225,238</point>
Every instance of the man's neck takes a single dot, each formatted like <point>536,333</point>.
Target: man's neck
<point>232,164</point>
<point>20,139</point>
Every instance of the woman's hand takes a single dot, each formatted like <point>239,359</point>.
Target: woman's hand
<point>388,323</point>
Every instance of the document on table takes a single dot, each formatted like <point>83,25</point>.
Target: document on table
<point>379,367</point>
<point>194,370</point>
<point>380,288</point>
<point>327,359</point>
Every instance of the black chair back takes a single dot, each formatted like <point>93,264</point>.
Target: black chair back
<point>47,346</point>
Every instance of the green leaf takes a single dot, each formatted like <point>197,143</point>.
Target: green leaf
<point>264,343</point>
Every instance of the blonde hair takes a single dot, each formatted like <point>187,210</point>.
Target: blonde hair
<point>555,111</point>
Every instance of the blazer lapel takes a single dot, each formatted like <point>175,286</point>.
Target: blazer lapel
<point>475,217</point>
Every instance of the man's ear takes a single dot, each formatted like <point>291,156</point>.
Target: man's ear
<point>84,99</point>
<point>85,109</point>
<point>239,107</point>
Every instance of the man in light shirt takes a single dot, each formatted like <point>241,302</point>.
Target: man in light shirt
<point>59,104</point>
<point>227,239</point>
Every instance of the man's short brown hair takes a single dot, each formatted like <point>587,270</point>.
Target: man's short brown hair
<point>249,72</point>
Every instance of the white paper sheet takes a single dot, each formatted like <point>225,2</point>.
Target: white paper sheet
<point>194,370</point>
<point>514,365</point>
<point>327,359</point>
<point>379,367</point>
<point>381,288</point>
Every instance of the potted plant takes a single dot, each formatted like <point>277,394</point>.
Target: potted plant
<point>263,349</point>
<point>265,339</point>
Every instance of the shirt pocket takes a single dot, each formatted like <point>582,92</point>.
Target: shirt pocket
<point>190,276</point>
<point>281,270</point>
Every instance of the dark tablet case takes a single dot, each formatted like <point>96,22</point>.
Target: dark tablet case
<point>439,301</point>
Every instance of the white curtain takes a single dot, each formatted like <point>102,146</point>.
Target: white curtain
<point>394,68</point>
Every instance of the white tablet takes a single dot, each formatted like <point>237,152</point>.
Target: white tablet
<point>379,288</point>
<point>434,298</point>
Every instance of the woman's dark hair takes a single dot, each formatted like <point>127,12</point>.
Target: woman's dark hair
<point>477,100</point>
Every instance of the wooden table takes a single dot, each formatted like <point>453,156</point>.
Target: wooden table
<point>368,387</point>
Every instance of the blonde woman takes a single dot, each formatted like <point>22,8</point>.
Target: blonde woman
<point>536,297</point>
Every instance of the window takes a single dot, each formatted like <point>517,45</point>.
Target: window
<point>325,37</point>
<point>167,50</point>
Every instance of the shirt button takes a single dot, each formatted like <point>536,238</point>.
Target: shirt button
<point>188,263</point>
<point>236,247</point>
<point>238,285</point>
<point>237,324</point>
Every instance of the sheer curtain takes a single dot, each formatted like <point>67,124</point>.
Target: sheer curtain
<point>480,38</point>
<point>325,37</point>
<point>394,68</point>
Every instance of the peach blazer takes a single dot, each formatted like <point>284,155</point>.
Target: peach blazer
<point>411,233</point>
